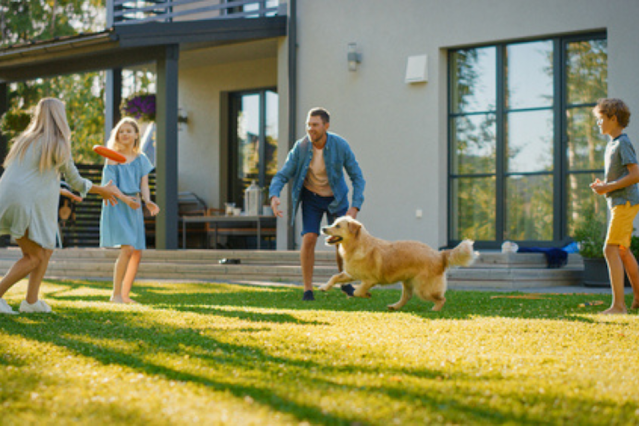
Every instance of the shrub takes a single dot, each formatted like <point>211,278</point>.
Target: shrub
<point>590,234</point>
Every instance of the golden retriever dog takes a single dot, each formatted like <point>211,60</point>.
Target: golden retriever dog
<point>372,261</point>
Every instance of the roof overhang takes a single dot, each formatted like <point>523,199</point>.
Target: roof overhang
<point>126,45</point>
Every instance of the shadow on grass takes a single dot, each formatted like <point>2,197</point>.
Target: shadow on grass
<point>181,342</point>
<point>460,305</point>
<point>222,357</point>
<point>78,329</point>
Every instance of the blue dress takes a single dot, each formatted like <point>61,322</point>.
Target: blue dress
<point>120,224</point>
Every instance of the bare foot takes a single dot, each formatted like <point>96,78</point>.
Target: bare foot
<point>116,299</point>
<point>127,300</point>
<point>614,310</point>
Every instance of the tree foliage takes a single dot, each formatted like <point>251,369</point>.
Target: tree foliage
<point>24,21</point>
<point>37,20</point>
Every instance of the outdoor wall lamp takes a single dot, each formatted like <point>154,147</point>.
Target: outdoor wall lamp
<point>182,118</point>
<point>353,57</point>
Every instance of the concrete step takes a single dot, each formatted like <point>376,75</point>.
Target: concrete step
<point>491,270</point>
<point>519,278</point>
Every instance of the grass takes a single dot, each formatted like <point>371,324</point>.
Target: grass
<point>225,353</point>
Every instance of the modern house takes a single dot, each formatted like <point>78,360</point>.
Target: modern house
<point>469,118</point>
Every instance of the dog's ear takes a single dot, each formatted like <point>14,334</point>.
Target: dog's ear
<point>354,228</point>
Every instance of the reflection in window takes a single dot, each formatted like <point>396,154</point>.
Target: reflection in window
<point>586,71</point>
<point>529,141</point>
<point>475,207</point>
<point>519,136</point>
<point>473,82</point>
<point>586,145</point>
<point>580,199</point>
<point>252,142</point>
<point>529,73</point>
<point>248,137</point>
<point>529,208</point>
<point>270,158</point>
<point>475,144</point>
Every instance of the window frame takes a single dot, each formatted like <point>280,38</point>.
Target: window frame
<point>235,193</point>
<point>560,170</point>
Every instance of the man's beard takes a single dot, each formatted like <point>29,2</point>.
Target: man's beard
<point>319,138</point>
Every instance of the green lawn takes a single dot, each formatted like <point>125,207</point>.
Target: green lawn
<point>223,353</point>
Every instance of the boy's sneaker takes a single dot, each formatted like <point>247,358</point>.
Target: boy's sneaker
<point>6,309</point>
<point>308,295</point>
<point>348,289</point>
<point>39,306</point>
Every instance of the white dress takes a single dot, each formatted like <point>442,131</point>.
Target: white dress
<point>29,199</point>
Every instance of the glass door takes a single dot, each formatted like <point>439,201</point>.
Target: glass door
<point>252,142</point>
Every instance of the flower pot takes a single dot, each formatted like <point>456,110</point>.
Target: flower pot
<point>596,272</point>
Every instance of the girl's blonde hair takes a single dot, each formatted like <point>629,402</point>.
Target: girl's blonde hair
<point>113,137</point>
<point>49,124</point>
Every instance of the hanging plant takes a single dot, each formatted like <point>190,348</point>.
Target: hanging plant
<point>140,106</point>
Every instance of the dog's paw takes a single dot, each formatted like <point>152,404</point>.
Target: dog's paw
<point>365,295</point>
<point>392,308</point>
<point>324,288</point>
<point>438,306</point>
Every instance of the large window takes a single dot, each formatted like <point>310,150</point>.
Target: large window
<point>523,142</point>
<point>253,141</point>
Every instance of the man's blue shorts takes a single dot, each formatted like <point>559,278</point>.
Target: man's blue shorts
<point>313,209</point>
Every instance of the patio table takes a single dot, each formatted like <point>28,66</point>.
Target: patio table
<point>228,221</point>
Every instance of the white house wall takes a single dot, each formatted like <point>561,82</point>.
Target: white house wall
<point>398,131</point>
<point>200,91</point>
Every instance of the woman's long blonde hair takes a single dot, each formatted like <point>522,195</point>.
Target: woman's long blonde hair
<point>49,123</point>
<point>113,137</point>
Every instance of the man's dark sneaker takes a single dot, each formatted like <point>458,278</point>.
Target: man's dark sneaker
<point>348,289</point>
<point>308,295</point>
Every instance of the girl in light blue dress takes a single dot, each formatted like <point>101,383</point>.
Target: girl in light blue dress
<point>29,195</point>
<point>122,225</point>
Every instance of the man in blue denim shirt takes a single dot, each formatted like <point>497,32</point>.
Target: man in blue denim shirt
<point>315,166</point>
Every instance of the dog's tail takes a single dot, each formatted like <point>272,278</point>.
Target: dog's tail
<point>462,255</point>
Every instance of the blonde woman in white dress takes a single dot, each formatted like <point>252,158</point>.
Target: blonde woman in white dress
<point>29,192</point>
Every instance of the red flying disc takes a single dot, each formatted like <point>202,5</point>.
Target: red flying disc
<point>109,153</point>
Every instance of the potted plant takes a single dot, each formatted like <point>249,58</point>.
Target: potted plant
<point>140,106</point>
<point>590,235</point>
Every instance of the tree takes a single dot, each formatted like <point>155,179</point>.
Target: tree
<point>24,21</point>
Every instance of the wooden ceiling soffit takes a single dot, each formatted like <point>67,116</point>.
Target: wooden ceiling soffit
<point>126,45</point>
<point>77,61</point>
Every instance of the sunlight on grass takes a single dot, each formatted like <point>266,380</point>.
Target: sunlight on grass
<point>224,353</point>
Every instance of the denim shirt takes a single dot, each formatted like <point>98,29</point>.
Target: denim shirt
<point>337,157</point>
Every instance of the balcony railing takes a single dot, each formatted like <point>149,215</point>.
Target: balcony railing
<point>126,12</point>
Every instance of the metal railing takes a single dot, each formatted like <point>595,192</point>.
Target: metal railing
<point>127,12</point>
